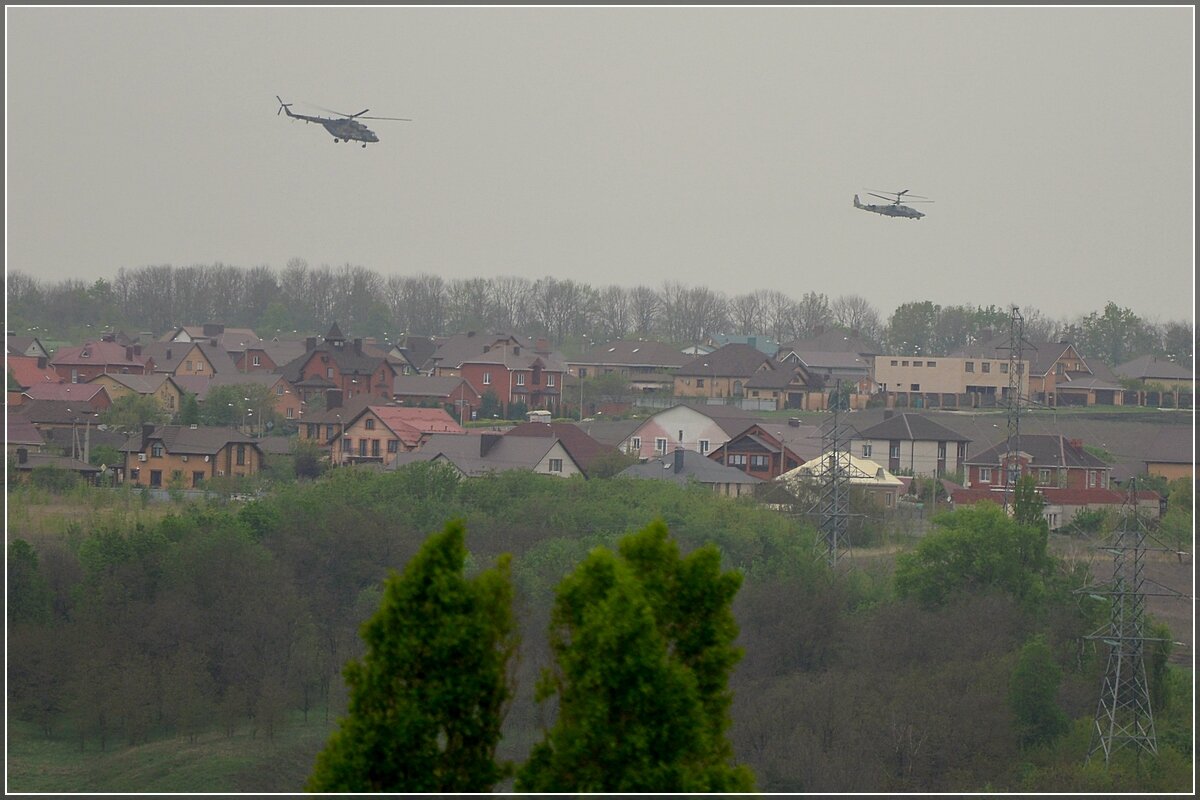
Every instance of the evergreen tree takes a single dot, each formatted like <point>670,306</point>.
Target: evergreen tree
<point>427,700</point>
<point>643,645</point>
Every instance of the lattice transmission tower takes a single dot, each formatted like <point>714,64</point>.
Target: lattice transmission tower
<point>1124,717</point>
<point>1016,380</point>
<point>834,476</point>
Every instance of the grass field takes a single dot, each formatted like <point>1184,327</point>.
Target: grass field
<point>213,763</point>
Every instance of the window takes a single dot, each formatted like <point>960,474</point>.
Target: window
<point>328,431</point>
<point>1091,479</point>
<point>704,445</point>
<point>914,387</point>
<point>1043,476</point>
<point>760,462</point>
<point>893,362</point>
<point>1058,368</point>
<point>866,451</point>
<point>134,473</point>
<point>1004,368</point>
<point>520,379</point>
<point>346,444</point>
<point>549,381</point>
<point>736,460</point>
<point>256,361</point>
<point>289,412</point>
<point>636,443</point>
<point>556,465</point>
<point>904,363</point>
<point>699,383</point>
<point>680,439</point>
<point>931,363</point>
<point>156,477</point>
<point>279,391</point>
<point>241,455</point>
<point>197,478</point>
<point>156,450</point>
<point>375,448</point>
<point>329,373</point>
<point>894,450</point>
<point>918,363</point>
<point>370,424</point>
<point>487,378</point>
<point>362,447</point>
<point>188,366</point>
<point>985,474</point>
<point>660,445</point>
<point>176,475</point>
<point>74,376</point>
<point>393,445</point>
<point>969,366</point>
<point>987,366</point>
<point>888,498</point>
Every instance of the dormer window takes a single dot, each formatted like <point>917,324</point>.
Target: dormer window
<point>370,424</point>
<point>156,450</point>
<point>86,354</point>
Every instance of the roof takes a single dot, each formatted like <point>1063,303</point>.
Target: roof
<point>54,412</point>
<point>169,355</point>
<point>764,344</point>
<point>1044,450</point>
<point>509,350</point>
<point>23,432</point>
<point>1172,445</point>
<point>803,441</point>
<point>349,361</point>
<point>35,460</point>
<point>343,413</point>
<point>638,353</point>
<point>1100,377</point>
<point>781,377</point>
<point>431,386</point>
<point>22,345</point>
<point>833,360</point>
<point>1151,368</point>
<point>862,472</point>
<point>108,353</point>
<point>230,339</point>
<point>26,372</point>
<point>142,384</point>
<point>1042,356</point>
<point>281,351</point>
<point>418,350</point>
<point>465,452</point>
<point>583,448</point>
<point>609,431</point>
<point>694,466</point>
<point>195,384</point>
<point>184,439</point>
<point>268,379</point>
<point>730,361</point>
<point>835,340</point>
<point>77,392</point>
<point>911,427</point>
<point>413,424</point>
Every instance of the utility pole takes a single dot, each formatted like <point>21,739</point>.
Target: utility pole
<point>834,474</point>
<point>1016,369</point>
<point>1124,717</point>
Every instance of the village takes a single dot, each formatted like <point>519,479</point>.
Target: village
<point>731,413</point>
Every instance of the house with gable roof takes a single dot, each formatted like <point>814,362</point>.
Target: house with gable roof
<point>25,372</point>
<point>701,428</point>
<point>81,364</point>
<point>914,443</point>
<point>583,449</point>
<point>509,366</point>
<point>30,346</point>
<point>161,386</point>
<point>160,454</point>
<point>378,433</point>
<point>476,455</point>
<point>647,365</point>
<point>455,394</point>
<point>744,372</point>
<point>758,452</point>
<point>686,466</point>
<point>337,363</point>
<point>1053,460</point>
<point>197,358</point>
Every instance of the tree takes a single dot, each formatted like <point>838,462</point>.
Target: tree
<point>1033,692</point>
<point>189,409</point>
<point>128,413</point>
<point>976,548</point>
<point>643,648</point>
<point>427,699</point>
<point>248,404</point>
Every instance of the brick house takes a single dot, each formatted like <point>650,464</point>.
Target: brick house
<point>81,364</point>
<point>648,366</point>
<point>1053,460</point>
<point>455,394</point>
<point>337,363</point>
<point>188,454</point>
<point>476,455</point>
<point>378,433</point>
<point>700,428</point>
<point>26,371</point>
<point>161,386</point>
<point>510,366</point>
<point>200,358</point>
<point>758,452</point>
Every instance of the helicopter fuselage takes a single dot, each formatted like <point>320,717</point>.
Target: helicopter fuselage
<point>890,210</point>
<point>339,129</point>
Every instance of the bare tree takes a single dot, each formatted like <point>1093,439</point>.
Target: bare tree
<point>745,313</point>
<point>645,308</point>
<point>855,313</point>
<point>614,317</point>
<point>510,301</point>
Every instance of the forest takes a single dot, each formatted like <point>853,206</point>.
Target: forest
<point>959,665</point>
<point>300,299</point>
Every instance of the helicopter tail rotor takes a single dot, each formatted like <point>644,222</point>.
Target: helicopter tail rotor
<point>283,106</point>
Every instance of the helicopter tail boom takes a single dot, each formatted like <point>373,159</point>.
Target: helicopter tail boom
<point>857,203</point>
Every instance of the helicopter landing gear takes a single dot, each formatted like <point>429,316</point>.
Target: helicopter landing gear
<point>336,140</point>
<point>364,145</point>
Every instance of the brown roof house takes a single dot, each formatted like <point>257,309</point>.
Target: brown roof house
<point>476,455</point>
<point>754,378</point>
<point>913,443</point>
<point>186,456</point>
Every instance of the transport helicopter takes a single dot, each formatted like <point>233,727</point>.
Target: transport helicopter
<point>895,208</point>
<point>344,127</point>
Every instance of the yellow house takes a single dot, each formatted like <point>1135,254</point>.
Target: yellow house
<point>201,358</point>
<point>187,456</point>
<point>161,386</point>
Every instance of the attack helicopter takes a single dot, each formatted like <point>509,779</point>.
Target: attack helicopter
<point>344,127</point>
<point>894,208</point>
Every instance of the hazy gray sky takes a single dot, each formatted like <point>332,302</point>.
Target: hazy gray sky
<point>712,146</point>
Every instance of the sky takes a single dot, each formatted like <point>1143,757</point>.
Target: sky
<point>710,146</point>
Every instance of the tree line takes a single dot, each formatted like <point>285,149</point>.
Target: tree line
<point>300,299</point>
<point>959,670</point>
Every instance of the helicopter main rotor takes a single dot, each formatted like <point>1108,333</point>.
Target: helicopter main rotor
<point>895,197</point>
<point>359,114</point>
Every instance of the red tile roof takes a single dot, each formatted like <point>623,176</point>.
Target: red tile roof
<point>26,372</point>
<point>82,392</point>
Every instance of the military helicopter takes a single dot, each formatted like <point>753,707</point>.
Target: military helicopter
<point>345,129</point>
<point>894,209</point>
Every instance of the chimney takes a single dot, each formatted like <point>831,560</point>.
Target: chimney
<point>147,432</point>
<point>542,345</point>
<point>310,344</point>
<point>1076,443</point>
<point>22,455</point>
<point>358,347</point>
<point>168,354</point>
<point>678,460</point>
<point>137,349</point>
<point>129,354</point>
<point>486,442</point>
<point>333,398</point>
<point>487,348</point>
<point>41,362</point>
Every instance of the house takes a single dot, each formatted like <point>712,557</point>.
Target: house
<point>324,424</point>
<point>1172,454</point>
<point>29,346</point>
<point>507,365</point>
<point>378,433</point>
<point>1161,374</point>
<point>1058,374</point>
<point>646,365</point>
<point>26,462</point>
<point>187,456</point>
<point>758,452</point>
<point>267,355</point>
<point>26,371</point>
<point>583,449</point>
<point>339,364</point>
<point>830,366</point>
<point>418,351</point>
<point>81,364</point>
<point>1053,460</point>
<point>50,414</point>
<point>198,358</point>
<point>700,428</point>
<point>82,396</point>
<point>686,466</point>
<point>933,381</point>
<point>1061,505</point>
<point>860,473</point>
<point>455,394</point>
<point>743,371</point>
<point>913,443</point>
<point>475,455</point>
<point>21,432</point>
<point>161,386</point>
